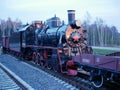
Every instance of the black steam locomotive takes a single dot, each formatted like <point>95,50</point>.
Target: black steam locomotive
<point>44,42</point>
<point>51,45</point>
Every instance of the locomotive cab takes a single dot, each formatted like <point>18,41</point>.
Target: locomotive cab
<point>28,36</point>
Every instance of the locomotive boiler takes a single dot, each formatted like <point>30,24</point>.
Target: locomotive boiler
<point>71,38</point>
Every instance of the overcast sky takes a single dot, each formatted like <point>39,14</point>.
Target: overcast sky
<point>30,10</point>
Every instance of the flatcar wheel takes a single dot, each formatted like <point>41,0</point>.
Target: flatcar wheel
<point>98,81</point>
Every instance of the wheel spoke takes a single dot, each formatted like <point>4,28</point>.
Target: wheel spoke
<point>98,81</point>
<point>34,57</point>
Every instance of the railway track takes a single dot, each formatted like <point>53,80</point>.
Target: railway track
<point>35,77</point>
<point>11,81</point>
<point>78,82</point>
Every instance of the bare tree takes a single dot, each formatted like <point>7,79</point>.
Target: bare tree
<point>3,27</point>
<point>9,26</point>
<point>99,33</point>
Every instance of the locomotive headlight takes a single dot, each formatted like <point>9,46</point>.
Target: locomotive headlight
<point>78,23</point>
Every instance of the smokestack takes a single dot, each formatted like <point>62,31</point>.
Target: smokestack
<point>71,16</point>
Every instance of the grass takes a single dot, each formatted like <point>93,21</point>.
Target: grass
<point>103,51</point>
